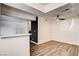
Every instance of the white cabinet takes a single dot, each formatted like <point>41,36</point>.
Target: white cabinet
<point>15,46</point>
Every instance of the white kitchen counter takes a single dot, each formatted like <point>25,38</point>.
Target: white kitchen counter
<point>16,35</point>
<point>15,45</point>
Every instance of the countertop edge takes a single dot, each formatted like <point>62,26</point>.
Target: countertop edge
<point>16,35</point>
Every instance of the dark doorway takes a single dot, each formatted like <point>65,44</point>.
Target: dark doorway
<point>34,30</point>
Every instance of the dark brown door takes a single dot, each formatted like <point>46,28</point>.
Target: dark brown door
<point>34,28</point>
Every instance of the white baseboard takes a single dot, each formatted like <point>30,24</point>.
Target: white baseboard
<point>72,43</point>
<point>34,42</point>
<point>43,42</point>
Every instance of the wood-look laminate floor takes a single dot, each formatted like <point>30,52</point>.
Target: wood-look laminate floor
<point>53,48</point>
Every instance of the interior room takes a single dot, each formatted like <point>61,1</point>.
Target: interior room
<point>39,29</point>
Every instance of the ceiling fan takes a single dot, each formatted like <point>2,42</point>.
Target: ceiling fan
<point>58,18</point>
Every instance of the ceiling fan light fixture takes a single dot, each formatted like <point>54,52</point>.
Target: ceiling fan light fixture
<point>57,19</point>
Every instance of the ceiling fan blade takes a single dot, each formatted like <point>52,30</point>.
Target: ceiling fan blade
<point>61,19</point>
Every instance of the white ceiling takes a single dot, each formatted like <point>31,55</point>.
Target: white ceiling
<point>73,10</point>
<point>45,7</point>
<point>48,9</point>
<point>43,3</point>
<point>24,8</point>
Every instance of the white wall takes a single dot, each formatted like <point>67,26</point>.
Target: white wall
<point>43,30</point>
<point>13,25</point>
<point>64,31</point>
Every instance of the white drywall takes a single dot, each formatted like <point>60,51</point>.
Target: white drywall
<point>12,25</point>
<point>43,30</point>
<point>15,46</point>
<point>66,31</point>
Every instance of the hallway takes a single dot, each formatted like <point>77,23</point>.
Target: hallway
<point>54,48</point>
